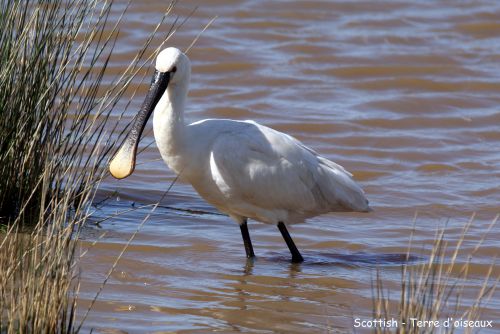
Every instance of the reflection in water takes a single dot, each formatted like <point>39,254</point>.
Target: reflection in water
<point>358,259</point>
<point>403,94</point>
<point>248,269</point>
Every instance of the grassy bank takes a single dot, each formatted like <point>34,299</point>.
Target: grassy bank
<point>55,140</point>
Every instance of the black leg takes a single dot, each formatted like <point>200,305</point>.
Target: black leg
<point>246,240</point>
<point>296,257</point>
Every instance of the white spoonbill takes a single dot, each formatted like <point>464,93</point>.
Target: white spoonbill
<point>244,169</point>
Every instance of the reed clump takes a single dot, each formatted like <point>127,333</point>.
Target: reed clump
<point>54,143</point>
<point>433,294</point>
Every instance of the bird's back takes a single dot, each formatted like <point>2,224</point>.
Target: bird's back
<point>260,173</point>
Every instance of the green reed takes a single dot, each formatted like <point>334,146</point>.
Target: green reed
<point>433,292</point>
<point>55,141</point>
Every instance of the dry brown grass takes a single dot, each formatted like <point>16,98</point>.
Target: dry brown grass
<point>55,141</point>
<point>434,291</point>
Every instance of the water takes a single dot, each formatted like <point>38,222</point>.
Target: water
<point>405,95</point>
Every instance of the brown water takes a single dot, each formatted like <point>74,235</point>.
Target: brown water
<point>405,95</point>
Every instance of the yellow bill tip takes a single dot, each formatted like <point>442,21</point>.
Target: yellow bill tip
<point>123,163</point>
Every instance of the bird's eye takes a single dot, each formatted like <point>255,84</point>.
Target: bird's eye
<point>174,69</point>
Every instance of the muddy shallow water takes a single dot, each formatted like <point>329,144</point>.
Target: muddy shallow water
<point>404,95</point>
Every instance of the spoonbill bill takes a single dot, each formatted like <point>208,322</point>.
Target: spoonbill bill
<point>242,168</point>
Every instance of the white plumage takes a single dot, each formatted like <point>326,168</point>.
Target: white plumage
<point>245,169</point>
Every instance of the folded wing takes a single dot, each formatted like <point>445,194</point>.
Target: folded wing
<point>272,170</point>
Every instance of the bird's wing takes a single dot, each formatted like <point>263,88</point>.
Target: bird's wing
<point>270,169</point>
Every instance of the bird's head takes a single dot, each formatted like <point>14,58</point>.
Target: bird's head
<point>176,63</point>
<point>172,68</point>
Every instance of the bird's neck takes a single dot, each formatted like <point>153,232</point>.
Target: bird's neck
<point>175,102</point>
<point>168,121</point>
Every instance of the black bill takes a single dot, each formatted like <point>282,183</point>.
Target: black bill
<point>123,163</point>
